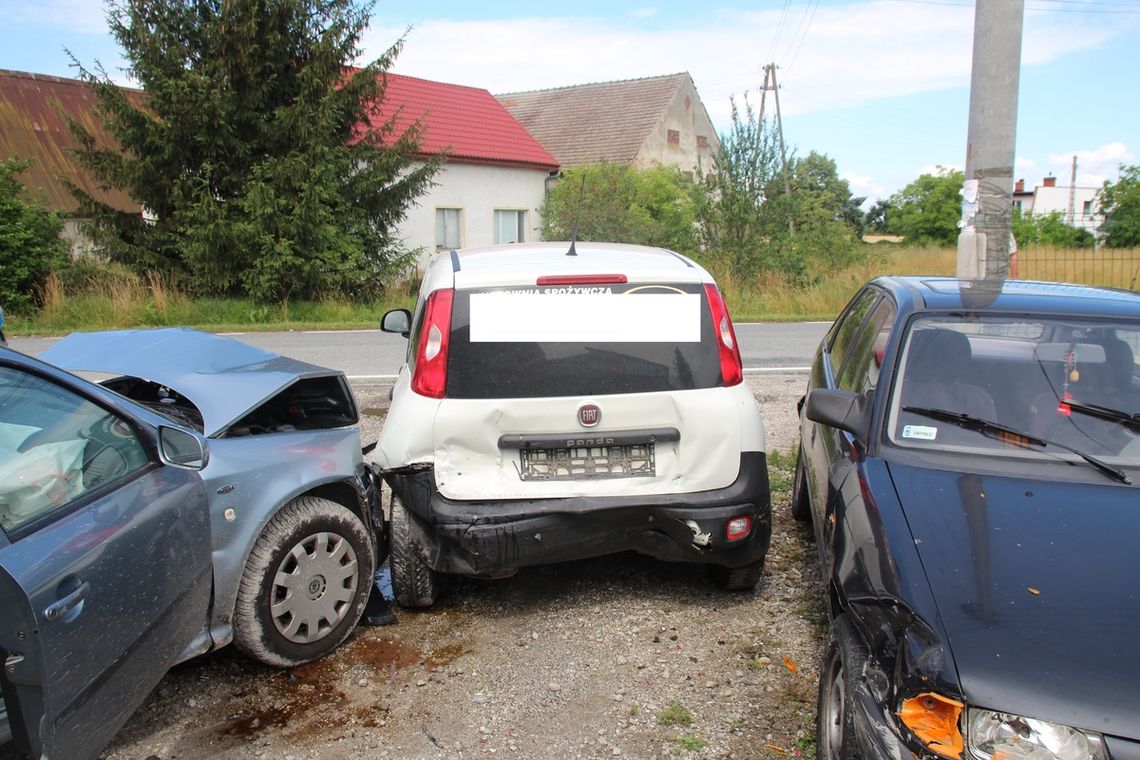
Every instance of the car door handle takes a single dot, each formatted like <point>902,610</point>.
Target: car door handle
<point>61,607</point>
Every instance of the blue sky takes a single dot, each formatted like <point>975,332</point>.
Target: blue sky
<point>881,86</point>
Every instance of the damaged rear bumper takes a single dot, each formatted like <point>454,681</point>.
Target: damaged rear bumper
<point>498,537</point>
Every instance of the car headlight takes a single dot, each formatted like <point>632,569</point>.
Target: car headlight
<point>1004,736</point>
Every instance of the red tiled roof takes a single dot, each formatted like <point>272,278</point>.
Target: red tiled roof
<point>466,122</point>
<point>34,109</point>
<point>595,123</point>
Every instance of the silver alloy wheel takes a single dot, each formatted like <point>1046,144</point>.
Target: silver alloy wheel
<point>313,587</point>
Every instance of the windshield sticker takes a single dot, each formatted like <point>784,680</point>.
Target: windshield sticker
<point>585,318</point>
<point>920,432</point>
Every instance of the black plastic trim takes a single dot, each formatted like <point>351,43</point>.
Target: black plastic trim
<point>582,438</point>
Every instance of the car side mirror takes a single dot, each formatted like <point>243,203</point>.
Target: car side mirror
<point>840,409</point>
<point>181,448</point>
<point>397,321</point>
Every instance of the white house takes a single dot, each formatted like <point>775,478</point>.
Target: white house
<point>493,183</point>
<point>1078,206</point>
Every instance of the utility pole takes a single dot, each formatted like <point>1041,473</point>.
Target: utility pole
<point>983,245</point>
<point>770,76</point>
<point>1072,218</point>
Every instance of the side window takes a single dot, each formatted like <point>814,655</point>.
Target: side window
<point>510,226</point>
<point>56,446</point>
<point>860,371</point>
<point>847,328</point>
<point>447,228</point>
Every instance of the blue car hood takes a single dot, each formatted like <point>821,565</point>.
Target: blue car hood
<point>1038,586</point>
<point>225,378</point>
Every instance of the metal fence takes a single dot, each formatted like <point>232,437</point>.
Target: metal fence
<point>1110,267</point>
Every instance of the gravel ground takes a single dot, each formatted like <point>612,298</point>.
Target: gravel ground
<point>621,656</point>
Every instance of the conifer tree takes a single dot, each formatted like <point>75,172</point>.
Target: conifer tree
<point>249,149</point>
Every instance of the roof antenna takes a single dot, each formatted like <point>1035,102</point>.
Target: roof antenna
<point>577,216</point>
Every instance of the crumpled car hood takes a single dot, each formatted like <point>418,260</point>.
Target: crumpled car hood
<point>224,378</point>
<point>1035,582</point>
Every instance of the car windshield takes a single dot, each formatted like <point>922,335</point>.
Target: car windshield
<point>1053,386</point>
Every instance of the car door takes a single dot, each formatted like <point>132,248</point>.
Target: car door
<point>853,364</point>
<point>104,558</point>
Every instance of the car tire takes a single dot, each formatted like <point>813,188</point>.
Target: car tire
<point>843,661</point>
<point>743,578</point>
<point>801,500</point>
<point>413,582</point>
<point>305,584</point>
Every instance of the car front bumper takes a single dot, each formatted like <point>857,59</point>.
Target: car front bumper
<point>498,537</point>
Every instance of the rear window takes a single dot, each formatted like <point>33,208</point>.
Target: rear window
<point>581,341</point>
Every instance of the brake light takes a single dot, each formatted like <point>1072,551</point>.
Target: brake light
<point>731,369</point>
<point>430,375</point>
<point>582,279</point>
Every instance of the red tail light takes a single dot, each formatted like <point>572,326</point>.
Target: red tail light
<point>430,375</point>
<point>582,279</point>
<point>731,369</point>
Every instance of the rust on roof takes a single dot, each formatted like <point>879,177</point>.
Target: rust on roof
<point>34,109</point>
<point>595,123</point>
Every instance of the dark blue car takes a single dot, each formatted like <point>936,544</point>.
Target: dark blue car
<point>969,460</point>
<point>105,569</point>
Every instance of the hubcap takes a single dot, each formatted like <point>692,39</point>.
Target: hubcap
<point>313,587</point>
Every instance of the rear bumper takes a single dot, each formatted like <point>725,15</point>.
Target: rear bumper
<point>497,537</point>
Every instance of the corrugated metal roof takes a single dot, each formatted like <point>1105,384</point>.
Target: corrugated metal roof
<point>595,123</point>
<point>466,122</point>
<point>34,109</point>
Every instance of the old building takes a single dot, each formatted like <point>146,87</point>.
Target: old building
<point>640,122</point>
<point>34,113</point>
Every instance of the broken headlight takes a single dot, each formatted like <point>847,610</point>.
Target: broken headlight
<point>1012,737</point>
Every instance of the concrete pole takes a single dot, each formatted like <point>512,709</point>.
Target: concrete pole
<point>983,245</point>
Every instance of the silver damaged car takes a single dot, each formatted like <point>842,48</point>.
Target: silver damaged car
<point>291,505</point>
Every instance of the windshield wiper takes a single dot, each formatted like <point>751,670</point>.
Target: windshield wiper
<point>981,425</point>
<point>1105,413</point>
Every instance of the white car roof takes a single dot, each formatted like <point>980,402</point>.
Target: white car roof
<point>523,263</point>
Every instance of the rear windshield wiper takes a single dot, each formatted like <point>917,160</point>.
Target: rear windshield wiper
<point>1105,413</point>
<point>981,425</point>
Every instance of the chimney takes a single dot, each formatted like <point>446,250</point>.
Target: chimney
<point>1019,187</point>
<point>1049,181</point>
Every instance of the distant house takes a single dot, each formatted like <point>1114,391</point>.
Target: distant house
<point>34,109</point>
<point>493,184</point>
<point>490,190</point>
<point>639,122</point>
<point>1078,206</point>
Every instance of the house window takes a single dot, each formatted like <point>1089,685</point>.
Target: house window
<point>674,136</point>
<point>510,226</point>
<point>702,142</point>
<point>1086,209</point>
<point>447,222</point>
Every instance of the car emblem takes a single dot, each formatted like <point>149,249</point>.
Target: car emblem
<point>589,415</point>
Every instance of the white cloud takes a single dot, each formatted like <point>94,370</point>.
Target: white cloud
<point>829,57</point>
<point>644,13</point>
<point>868,187</point>
<point>1094,166</point>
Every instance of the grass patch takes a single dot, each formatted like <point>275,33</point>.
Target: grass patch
<point>98,296</point>
<point>688,743</point>
<point>676,714</point>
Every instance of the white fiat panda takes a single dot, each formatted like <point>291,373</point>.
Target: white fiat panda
<point>567,401</point>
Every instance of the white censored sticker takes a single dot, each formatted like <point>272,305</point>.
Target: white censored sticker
<point>920,432</point>
<point>585,318</point>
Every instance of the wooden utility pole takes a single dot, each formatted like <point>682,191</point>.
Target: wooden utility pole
<point>983,245</point>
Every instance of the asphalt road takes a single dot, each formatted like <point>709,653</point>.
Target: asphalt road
<point>366,355</point>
